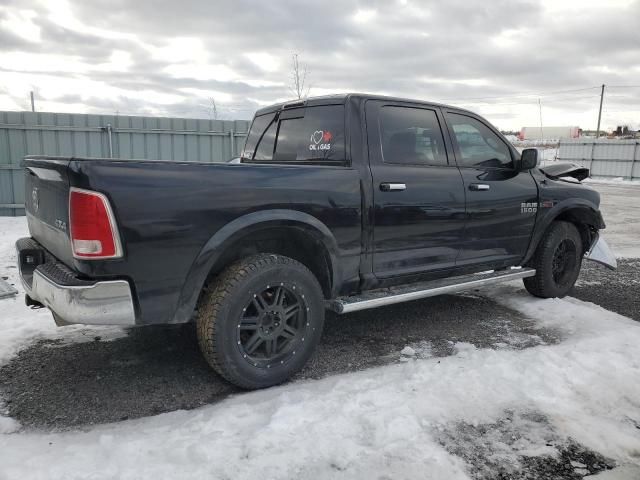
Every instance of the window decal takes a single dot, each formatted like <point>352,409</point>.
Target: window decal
<point>320,140</point>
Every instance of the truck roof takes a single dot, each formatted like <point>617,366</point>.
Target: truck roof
<point>342,98</point>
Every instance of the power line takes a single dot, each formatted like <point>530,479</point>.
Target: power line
<point>531,102</point>
<point>522,94</point>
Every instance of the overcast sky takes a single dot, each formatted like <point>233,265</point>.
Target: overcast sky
<point>168,57</point>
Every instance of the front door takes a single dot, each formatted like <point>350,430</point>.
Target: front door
<point>419,198</point>
<point>501,200</point>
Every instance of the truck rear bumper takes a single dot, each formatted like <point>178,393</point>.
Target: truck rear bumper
<point>71,299</point>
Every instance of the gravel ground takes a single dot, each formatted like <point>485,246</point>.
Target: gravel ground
<point>154,370</point>
<point>503,450</point>
<point>618,291</point>
<point>160,369</point>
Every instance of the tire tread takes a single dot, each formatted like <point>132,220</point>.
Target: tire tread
<point>211,302</point>
<point>537,284</point>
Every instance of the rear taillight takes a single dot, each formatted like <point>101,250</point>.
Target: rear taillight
<point>94,234</point>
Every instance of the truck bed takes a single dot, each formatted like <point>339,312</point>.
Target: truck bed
<point>166,213</point>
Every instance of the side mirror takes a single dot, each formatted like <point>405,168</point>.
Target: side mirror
<point>529,159</point>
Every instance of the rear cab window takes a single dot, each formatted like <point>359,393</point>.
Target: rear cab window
<point>411,136</point>
<point>306,135</point>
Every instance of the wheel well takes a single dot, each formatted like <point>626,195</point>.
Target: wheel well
<point>292,242</point>
<point>581,221</point>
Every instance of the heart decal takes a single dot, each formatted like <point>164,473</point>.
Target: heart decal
<point>317,136</point>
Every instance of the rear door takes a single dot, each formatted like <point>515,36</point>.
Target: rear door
<point>501,200</point>
<point>418,215</point>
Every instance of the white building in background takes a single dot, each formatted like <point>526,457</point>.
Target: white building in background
<point>549,133</point>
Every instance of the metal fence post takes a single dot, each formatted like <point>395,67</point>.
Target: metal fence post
<point>593,150</point>
<point>110,140</point>
<point>633,159</point>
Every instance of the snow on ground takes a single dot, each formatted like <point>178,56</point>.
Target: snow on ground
<point>383,421</point>
<point>20,326</point>
<point>386,422</point>
<point>620,205</point>
<point>612,181</point>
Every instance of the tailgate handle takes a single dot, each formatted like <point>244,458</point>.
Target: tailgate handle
<point>393,187</point>
<point>479,187</point>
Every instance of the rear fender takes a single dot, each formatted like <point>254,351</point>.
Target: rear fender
<point>239,228</point>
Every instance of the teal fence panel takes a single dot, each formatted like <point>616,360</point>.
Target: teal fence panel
<point>108,136</point>
<point>605,158</point>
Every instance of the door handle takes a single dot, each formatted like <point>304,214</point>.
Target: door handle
<point>479,187</point>
<point>392,187</point>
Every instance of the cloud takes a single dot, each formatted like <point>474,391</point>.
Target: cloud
<point>170,57</point>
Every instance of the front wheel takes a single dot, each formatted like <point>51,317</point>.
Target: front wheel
<point>557,261</point>
<point>260,320</point>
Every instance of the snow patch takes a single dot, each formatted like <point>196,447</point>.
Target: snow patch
<point>611,181</point>
<point>8,425</point>
<point>408,351</point>
<point>21,326</point>
<point>383,421</point>
<point>417,350</point>
<point>623,472</point>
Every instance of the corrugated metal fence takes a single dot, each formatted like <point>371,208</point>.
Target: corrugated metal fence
<point>605,158</point>
<point>108,136</point>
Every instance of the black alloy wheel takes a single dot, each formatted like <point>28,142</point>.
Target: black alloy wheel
<point>260,319</point>
<point>564,261</point>
<point>272,325</point>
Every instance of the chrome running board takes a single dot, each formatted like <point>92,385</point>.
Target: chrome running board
<point>416,291</point>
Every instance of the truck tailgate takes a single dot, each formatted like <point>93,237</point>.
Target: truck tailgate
<point>47,204</point>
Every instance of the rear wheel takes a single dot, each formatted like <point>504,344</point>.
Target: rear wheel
<point>260,320</point>
<point>557,261</point>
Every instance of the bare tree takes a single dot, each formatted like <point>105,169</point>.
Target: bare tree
<point>213,109</point>
<point>299,72</point>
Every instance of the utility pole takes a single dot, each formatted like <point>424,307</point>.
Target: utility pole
<point>600,112</point>
<point>33,103</point>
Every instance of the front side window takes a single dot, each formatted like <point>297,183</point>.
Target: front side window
<point>411,136</point>
<point>478,146</point>
<point>304,135</point>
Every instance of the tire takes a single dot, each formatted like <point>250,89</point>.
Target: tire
<point>260,320</point>
<point>557,261</point>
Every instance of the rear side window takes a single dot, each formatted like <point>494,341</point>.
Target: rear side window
<point>411,136</point>
<point>258,128</point>
<point>478,145</point>
<point>266,143</point>
<point>304,135</point>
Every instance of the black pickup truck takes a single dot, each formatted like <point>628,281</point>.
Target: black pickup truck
<point>340,202</point>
